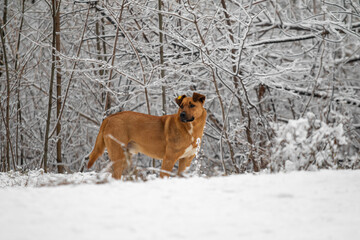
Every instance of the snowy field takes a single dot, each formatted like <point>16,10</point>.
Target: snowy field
<point>297,205</point>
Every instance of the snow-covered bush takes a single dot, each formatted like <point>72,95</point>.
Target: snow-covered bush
<point>307,144</point>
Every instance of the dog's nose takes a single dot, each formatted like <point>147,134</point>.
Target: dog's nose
<point>183,114</point>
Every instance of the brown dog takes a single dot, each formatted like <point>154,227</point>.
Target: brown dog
<point>168,138</point>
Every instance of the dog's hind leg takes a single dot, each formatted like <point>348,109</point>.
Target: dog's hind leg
<point>117,156</point>
<point>118,168</point>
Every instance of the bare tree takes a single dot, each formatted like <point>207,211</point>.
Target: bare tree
<point>56,6</point>
<point>7,76</point>
<point>261,65</point>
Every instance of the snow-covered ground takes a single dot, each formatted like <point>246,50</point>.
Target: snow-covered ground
<point>297,205</point>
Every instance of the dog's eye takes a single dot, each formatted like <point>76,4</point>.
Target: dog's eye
<point>192,105</point>
<point>181,106</point>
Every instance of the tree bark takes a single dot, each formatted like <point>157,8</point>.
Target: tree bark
<point>107,97</point>
<point>236,70</point>
<point>18,115</point>
<point>7,108</point>
<point>162,71</point>
<point>56,6</point>
<point>52,75</point>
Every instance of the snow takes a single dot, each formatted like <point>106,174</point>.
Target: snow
<point>296,205</point>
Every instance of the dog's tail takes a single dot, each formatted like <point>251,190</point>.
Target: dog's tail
<point>99,146</point>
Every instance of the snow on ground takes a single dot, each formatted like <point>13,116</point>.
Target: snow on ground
<point>296,205</point>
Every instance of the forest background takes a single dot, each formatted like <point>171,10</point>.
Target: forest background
<point>281,78</point>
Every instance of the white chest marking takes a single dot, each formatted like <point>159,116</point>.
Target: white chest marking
<point>191,131</point>
<point>189,151</point>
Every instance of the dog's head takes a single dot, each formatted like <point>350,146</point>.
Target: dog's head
<point>191,108</point>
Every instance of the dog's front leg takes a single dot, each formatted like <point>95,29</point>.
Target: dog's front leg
<point>166,166</point>
<point>184,163</point>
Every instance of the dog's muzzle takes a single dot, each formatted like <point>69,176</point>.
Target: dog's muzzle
<point>184,119</point>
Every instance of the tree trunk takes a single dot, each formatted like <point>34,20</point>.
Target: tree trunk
<point>7,108</point>
<point>18,115</point>
<point>107,97</point>
<point>236,85</point>
<point>56,6</point>
<point>162,71</point>
<point>53,59</point>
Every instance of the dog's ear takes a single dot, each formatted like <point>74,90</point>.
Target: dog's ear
<point>198,97</point>
<point>179,99</point>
